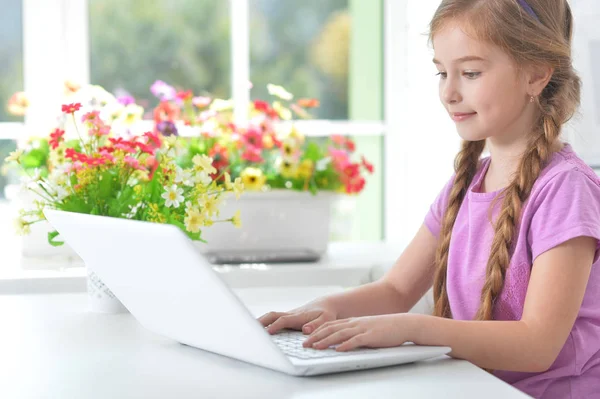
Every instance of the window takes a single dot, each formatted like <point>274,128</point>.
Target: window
<point>11,80</point>
<point>185,43</point>
<point>303,45</point>
<point>11,56</point>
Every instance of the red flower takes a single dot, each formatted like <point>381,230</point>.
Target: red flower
<point>75,156</point>
<point>184,95</point>
<point>70,108</point>
<point>124,145</point>
<point>56,138</point>
<point>350,146</point>
<point>219,155</point>
<point>308,102</point>
<point>352,170</point>
<point>145,148</point>
<point>153,139</point>
<point>166,111</point>
<point>368,166</point>
<point>262,106</point>
<point>355,185</point>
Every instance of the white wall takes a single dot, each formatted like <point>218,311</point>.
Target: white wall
<point>585,130</point>
<point>422,141</point>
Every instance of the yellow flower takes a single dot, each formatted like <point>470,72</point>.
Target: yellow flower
<point>194,220</point>
<point>289,147</point>
<point>204,163</point>
<point>306,169</point>
<point>210,204</point>
<point>238,187</point>
<point>236,220</point>
<point>14,156</point>
<point>228,184</point>
<point>22,226</point>
<point>221,105</point>
<point>131,114</point>
<point>296,135</point>
<point>154,214</point>
<point>283,112</point>
<point>268,142</point>
<point>253,178</point>
<point>288,169</point>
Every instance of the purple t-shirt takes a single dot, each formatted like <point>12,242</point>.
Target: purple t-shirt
<point>564,204</point>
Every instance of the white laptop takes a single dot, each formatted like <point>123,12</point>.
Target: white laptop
<point>172,290</point>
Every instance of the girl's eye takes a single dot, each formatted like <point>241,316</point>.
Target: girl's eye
<point>442,75</point>
<point>471,75</point>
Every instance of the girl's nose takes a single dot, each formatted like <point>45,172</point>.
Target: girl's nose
<point>450,93</point>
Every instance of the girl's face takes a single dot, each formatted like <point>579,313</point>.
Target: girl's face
<point>480,87</point>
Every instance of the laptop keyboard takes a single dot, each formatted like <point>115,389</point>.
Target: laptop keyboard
<point>290,343</point>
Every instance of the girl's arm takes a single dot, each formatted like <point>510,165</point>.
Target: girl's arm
<point>400,289</point>
<point>555,293</point>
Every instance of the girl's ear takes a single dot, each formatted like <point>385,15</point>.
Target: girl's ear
<point>538,78</point>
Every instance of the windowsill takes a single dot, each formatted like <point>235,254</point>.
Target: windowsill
<point>346,264</point>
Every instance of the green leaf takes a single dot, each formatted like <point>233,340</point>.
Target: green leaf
<point>105,185</point>
<point>313,152</point>
<point>51,236</point>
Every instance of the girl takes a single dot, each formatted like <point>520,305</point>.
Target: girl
<point>511,244</point>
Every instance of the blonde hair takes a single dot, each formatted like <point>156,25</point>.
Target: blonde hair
<point>541,38</point>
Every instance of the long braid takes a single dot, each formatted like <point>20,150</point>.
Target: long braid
<point>515,195</point>
<point>465,166</point>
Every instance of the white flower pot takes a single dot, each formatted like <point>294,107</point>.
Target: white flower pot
<point>35,244</point>
<point>100,298</point>
<point>274,221</point>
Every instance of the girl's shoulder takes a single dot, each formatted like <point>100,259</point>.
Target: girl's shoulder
<point>568,170</point>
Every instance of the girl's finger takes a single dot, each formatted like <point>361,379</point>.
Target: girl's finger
<point>329,324</point>
<point>308,328</point>
<point>270,317</point>
<point>324,331</point>
<point>352,343</point>
<point>336,338</point>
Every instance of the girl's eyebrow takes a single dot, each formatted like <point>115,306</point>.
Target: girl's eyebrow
<point>462,59</point>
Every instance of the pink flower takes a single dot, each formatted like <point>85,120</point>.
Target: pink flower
<point>252,154</point>
<point>339,158</point>
<point>253,137</point>
<point>201,102</point>
<point>132,162</point>
<point>92,117</point>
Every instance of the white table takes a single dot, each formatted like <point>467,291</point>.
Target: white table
<point>51,347</point>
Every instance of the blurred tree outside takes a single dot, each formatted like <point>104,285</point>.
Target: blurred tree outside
<point>185,43</point>
<point>11,72</point>
<point>303,46</point>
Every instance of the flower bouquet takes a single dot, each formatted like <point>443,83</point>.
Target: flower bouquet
<point>133,178</point>
<point>290,179</point>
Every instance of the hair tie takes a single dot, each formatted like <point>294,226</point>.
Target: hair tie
<point>528,8</point>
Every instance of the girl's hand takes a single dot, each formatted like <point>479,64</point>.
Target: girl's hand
<point>372,332</point>
<point>306,318</point>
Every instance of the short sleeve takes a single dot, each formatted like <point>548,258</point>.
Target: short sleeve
<point>568,206</point>
<point>433,219</point>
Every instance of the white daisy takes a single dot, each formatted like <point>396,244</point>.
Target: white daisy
<point>203,178</point>
<point>183,176</point>
<point>172,196</point>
